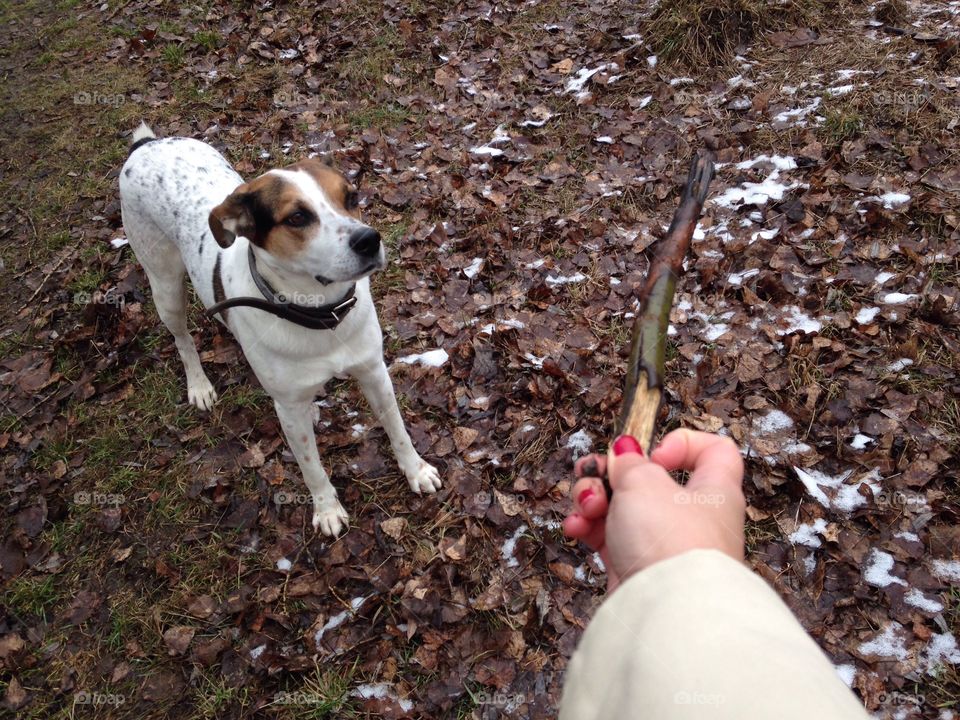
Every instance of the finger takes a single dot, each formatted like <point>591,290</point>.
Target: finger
<point>711,459</point>
<point>624,457</point>
<point>592,465</point>
<point>589,498</point>
<point>590,532</point>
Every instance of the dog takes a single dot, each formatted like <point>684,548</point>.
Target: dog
<point>283,261</point>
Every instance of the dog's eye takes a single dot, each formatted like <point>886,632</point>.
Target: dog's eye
<point>298,219</point>
<point>351,201</point>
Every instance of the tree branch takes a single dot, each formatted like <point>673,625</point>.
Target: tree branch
<point>643,386</point>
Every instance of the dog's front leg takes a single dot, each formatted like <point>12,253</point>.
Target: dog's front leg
<point>378,389</point>
<point>296,419</point>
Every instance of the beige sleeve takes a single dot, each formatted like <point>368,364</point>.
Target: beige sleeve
<point>701,636</point>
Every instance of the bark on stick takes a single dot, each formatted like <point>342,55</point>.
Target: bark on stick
<point>643,388</point>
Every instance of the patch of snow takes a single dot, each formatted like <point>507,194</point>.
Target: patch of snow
<point>738,278</point>
<point>473,268</point>
<point>948,570</point>
<point>644,101</point>
<point>849,74</point>
<point>512,323</point>
<point>510,545</point>
<point>289,54</point>
<point>877,570</point>
<point>882,277</point>
<point>896,298</point>
<point>576,84</point>
<point>764,234</point>
<point>548,523</point>
<point>119,242</point>
<point>283,564</point>
<point>257,651</point>
<point>773,422</point>
<point>338,619</point>
<point>358,430</point>
<point>918,600</point>
<point>605,139</point>
<point>806,534</point>
<point>580,442</point>
<point>839,90</point>
<point>797,114</point>
<point>380,691</point>
<point>431,358</point>
<point>486,150</point>
<point>797,320</point>
<point>892,199</point>
<point>750,193</point>
<point>563,280</point>
<point>537,362</point>
<point>941,650</point>
<point>843,497</point>
<point>861,441</point>
<point>652,60</point>
<point>779,162</point>
<point>907,535</point>
<point>898,365</point>
<point>866,315</point>
<point>887,645</point>
<point>674,82</point>
<point>847,672</point>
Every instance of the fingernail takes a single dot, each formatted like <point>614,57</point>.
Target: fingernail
<point>584,496</point>
<point>626,444</point>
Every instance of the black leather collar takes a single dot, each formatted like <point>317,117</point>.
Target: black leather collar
<point>321,317</point>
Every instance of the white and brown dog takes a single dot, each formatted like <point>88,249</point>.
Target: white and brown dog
<point>283,261</point>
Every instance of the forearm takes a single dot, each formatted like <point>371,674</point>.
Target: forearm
<point>698,635</point>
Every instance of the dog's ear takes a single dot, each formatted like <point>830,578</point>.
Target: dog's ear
<point>233,217</point>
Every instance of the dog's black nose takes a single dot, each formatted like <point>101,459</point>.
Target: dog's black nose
<point>365,242</point>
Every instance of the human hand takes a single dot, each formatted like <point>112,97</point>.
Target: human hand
<point>651,517</point>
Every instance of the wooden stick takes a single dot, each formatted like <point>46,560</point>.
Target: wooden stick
<point>643,386</point>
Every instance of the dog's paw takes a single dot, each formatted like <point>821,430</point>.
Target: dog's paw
<point>426,479</point>
<point>201,394</point>
<point>330,518</point>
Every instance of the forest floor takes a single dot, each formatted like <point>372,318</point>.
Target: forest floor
<point>520,158</point>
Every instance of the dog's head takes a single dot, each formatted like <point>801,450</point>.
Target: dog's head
<point>307,218</point>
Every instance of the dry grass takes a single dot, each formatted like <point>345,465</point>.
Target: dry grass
<point>701,33</point>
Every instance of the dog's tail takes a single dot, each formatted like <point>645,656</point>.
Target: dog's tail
<point>141,136</point>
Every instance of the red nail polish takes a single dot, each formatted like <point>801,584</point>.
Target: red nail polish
<point>626,444</point>
<point>584,496</point>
